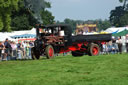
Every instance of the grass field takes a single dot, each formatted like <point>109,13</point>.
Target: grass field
<point>67,70</point>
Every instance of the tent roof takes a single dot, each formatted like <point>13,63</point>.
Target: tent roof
<point>122,33</point>
<point>115,30</point>
<point>8,35</point>
<point>24,36</point>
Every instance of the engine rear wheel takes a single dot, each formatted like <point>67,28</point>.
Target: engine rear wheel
<point>34,54</point>
<point>94,50</point>
<point>77,53</point>
<point>49,52</point>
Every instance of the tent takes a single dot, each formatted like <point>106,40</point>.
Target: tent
<point>29,39</point>
<point>115,29</point>
<point>24,36</point>
<point>115,32</point>
<point>122,33</point>
<point>28,36</point>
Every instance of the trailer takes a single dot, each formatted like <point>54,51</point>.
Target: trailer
<point>54,39</point>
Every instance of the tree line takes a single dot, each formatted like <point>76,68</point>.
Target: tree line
<point>101,24</point>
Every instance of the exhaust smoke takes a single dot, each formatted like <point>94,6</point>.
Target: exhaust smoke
<point>36,6</point>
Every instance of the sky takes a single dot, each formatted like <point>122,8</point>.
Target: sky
<point>82,9</point>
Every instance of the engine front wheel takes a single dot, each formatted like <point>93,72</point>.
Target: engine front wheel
<point>49,52</point>
<point>34,54</point>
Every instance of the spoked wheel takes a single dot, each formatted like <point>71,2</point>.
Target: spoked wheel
<point>49,52</point>
<point>94,50</point>
<point>34,54</point>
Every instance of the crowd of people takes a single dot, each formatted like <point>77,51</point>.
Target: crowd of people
<point>10,50</point>
<point>115,46</point>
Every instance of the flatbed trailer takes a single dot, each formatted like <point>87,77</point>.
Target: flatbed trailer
<point>92,37</point>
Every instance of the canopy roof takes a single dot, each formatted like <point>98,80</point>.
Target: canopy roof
<point>24,36</point>
<point>122,33</point>
<point>115,29</point>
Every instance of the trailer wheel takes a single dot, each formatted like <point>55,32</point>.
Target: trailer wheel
<point>34,54</point>
<point>49,52</point>
<point>76,53</point>
<point>94,50</point>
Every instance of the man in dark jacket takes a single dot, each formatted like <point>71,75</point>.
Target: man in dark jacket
<point>8,49</point>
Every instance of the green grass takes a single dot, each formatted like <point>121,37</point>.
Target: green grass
<point>67,70</point>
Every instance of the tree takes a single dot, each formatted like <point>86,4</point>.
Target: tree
<point>123,1</point>
<point>71,22</point>
<point>103,24</point>
<point>118,16</point>
<point>38,8</point>
<point>1,23</point>
<point>124,19</point>
<point>20,23</point>
<point>47,17</point>
<point>24,18</point>
<point>115,16</point>
<point>6,7</point>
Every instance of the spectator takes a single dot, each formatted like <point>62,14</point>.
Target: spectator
<point>14,50</point>
<point>3,55</point>
<point>8,48</point>
<point>114,45</point>
<point>126,40</point>
<point>114,50</point>
<point>105,48</point>
<point>1,48</point>
<point>19,51</point>
<point>28,51</point>
<point>119,42</point>
<point>109,45</point>
<point>31,44</point>
<point>24,48</point>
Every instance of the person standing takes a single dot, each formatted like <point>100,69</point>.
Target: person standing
<point>126,41</point>
<point>3,55</point>
<point>31,44</point>
<point>28,51</point>
<point>24,44</point>
<point>8,48</point>
<point>119,42</point>
<point>19,51</point>
<point>1,48</point>
<point>114,45</point>
<point>14,49</point>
